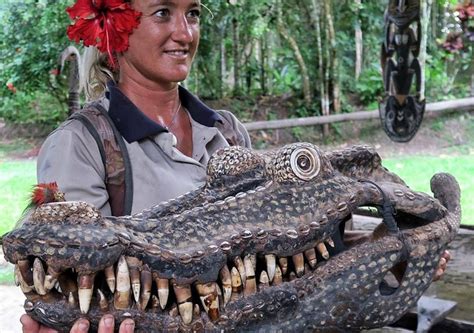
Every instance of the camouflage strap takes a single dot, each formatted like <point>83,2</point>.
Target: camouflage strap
<point>114,154</point>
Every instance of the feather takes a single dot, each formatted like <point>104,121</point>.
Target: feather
<point>45,193</point>
<point>42,194</point>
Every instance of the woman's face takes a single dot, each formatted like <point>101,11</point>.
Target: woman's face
<point>163,46</point>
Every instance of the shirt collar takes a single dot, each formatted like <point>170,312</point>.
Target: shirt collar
<point>134,125</point>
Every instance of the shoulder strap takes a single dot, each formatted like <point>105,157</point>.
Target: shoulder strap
<point>228,129</point>
<point>114,154</point>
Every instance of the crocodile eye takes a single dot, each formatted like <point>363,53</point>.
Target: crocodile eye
<point>305,163</point>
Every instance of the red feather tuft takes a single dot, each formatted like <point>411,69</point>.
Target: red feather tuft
<point>46,193</point>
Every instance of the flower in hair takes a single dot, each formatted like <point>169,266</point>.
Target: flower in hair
<point>105,24</point>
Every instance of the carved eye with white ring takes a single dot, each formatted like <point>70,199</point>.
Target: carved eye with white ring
<point>305,163</point>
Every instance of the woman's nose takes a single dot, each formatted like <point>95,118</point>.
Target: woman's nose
<point>183,30</point>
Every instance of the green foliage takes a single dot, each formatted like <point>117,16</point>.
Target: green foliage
<point>27,58</point>
<point>32,108</point>
<point>241,38</point>
<point>369,88</point>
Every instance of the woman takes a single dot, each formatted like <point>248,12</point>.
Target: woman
<point>169,133</point>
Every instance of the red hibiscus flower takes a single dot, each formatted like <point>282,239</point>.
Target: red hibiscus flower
<point>105,24</point>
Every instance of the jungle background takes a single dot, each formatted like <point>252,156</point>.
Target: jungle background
<point>263,60</point>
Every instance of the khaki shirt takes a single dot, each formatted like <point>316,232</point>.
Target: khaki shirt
<point>70,157</point>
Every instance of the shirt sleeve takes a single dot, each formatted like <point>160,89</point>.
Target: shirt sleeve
<point>70,157</point>
<point>233,130</point>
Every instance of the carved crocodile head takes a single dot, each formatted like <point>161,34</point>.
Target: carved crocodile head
<point>259,247</point>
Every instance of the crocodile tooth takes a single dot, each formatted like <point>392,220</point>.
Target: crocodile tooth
<point>155,302</point>
<point>71,299</point>
<point>196,311</point>
<point>330,242</point>
<point>241,268</point>
<point>163,286</point>
<point>16,275</point>
<point>264,280</point>
<point>209,298</point>
<point>25,288</point>
<point>185,303</point>
<point>38,277</point>
<point>50,279</point>
<point>25,271</point>
<point>298,261</point>
<point>253,260</point>
<point>214,305</point>
<point>251,284</point>
<point>85,283</point>
<point>122,290</point>
<point>270,259</point>
<point>278,279</point>
<point>224,275</point>
<point>311,256</point>
<point>134,265</point>
<point>307,269</point>
<point>146,282</point>
<point>283,265</point>
<point>236,283</point>
<point>110,277</point>
<point>103,304</point>
<point>292,276</point>
<point>323,250</point>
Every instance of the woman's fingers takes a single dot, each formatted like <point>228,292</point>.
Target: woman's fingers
<point>106,324</point>
<point>127,326</point>
<point>80,326</point>
<point>29,325</point>
<point>442,265</point>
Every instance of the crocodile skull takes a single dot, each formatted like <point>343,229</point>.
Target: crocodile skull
<point>260,246</point>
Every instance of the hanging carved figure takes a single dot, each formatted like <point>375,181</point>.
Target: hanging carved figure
<point>401,112</point>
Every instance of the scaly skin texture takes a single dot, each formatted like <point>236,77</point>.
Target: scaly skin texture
<point>255,210</point>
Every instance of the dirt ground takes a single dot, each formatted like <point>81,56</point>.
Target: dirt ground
<point>11,308</point>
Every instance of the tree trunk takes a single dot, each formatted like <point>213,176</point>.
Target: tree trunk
<point>359,46</point>
<point>263,57</point>
<point>316,12</point>
<point>223,66</point>
<point>235,54</point>
<point>298,56</point>
<point>333,58</point>
<point>425,11</point>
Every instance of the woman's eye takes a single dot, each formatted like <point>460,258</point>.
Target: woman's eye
<point>195,13</point>
<point>162,13</point>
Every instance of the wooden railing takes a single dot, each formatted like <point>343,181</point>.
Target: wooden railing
<point>432,109</point>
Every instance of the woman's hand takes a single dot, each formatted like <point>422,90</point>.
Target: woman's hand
<point>443,263</point>
<point>106,325</point>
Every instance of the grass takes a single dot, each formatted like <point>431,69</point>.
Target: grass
<point>16,181</point>
<point>416,171</point>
